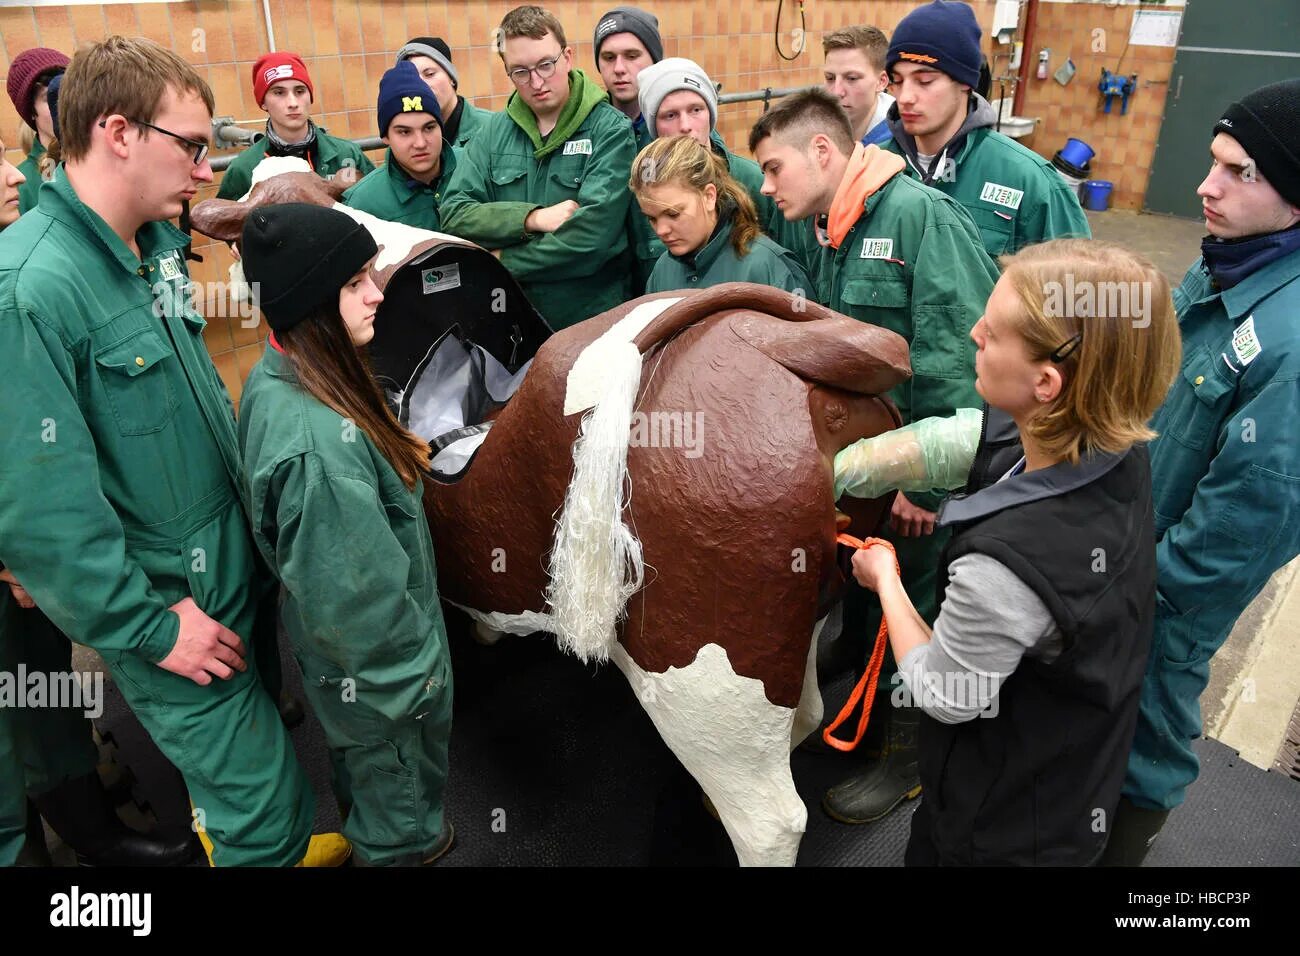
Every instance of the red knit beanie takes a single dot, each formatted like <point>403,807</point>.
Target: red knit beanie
<point>23,72</point>
<point>271,68</point>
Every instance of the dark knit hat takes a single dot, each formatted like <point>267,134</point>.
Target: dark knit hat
<point>403,90</point>
<point>1267,125</point>
<point>298,256</point>
<point>943,35</point>
<point>436,49</point>
<point>52,97</point>
<point>28,67</point>
<point>644,26</point>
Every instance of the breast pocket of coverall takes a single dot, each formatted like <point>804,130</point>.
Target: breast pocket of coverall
<point>133,374</point>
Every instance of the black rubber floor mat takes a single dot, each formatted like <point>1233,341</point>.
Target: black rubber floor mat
<point>554,763</point>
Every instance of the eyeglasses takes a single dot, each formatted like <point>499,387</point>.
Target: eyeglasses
<point>200,149</point>
<point>544,70</point>
<point>1066,348</point>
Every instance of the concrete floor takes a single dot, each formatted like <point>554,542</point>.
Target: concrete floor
<point>1172,244</point>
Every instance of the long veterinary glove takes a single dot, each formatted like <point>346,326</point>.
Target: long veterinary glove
<point>931,453</point>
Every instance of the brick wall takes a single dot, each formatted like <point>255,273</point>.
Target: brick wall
<point>348,44</point>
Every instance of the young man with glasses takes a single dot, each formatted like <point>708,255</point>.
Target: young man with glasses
<point>282,88</point>
<point>120,509</point>
<point>544,183</point>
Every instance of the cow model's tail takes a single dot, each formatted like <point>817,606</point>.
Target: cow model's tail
<point>596,564</point>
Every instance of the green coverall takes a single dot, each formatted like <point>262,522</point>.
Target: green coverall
<point>119,478</point>
<point>766,263</point>
<point>391,194</point>
<point>508,170</point>
<point>351,545</point>
<point>913,263</point>
<point>335,153</point>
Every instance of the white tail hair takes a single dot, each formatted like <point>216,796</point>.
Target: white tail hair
<point>596,564</point>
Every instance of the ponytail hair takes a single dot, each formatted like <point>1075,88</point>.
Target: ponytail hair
<point>681,161</point>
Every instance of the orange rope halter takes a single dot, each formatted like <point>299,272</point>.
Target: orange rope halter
<point>865,691</point>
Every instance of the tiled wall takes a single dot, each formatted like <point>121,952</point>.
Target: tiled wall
<point>348,44</point>
<point>1124,145</point>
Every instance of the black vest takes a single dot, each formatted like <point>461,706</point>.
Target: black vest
<point>1038,783</point>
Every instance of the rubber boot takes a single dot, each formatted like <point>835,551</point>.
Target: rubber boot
<point>1132,833</point>
<point>81,812</point>
<point>883,784</point>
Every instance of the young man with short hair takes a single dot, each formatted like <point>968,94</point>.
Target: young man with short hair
<point>544,184</point>
<point>678,98</point>
<point>283,89</point>
<point>855,74</point>
<point>1225,466</point>
<point>944,130</point>
<point>626,41</point>
<point>120,508</point>
<point>420,161</point>
<point>461,119</point>
<point>907,258</point>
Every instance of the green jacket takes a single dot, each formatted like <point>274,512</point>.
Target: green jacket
<point>347,539</point>
<point>1225,479</point>
<point>791,236</point>
<point>472,121</point>
<point>766,263</point>
<point>1014,195</point>
<point>390,194</point>
<point>581,269</point>
<point>913,264</point>
<point>31,168</point>
<point>119,484</point>
<point>335,153</point>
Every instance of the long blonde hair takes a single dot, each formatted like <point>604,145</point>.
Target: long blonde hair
<point>682,161</point>
<point>1105,315</point>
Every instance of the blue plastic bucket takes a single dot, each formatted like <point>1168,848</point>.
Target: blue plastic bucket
<point>1077,152</point>
<point>1096,195</point>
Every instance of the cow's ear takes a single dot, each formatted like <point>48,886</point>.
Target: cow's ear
<point>221,219</point>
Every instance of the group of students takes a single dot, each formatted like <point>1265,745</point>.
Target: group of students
<point>158,531</point>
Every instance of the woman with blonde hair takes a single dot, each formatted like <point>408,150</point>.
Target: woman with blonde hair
<point>707,221</point>
<point>1029,681</point>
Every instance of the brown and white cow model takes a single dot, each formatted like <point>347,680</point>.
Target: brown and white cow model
<point>699,565</point>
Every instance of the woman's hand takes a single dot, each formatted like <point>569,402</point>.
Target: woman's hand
<point>19,592</point>
<point>874,567</point>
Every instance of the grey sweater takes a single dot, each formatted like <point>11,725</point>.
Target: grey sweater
<point>989,620</point>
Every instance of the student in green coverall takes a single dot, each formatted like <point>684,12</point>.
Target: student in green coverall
<point>679,98</point>
<point>28,84</point>
<point>409,186</point>
<point>544,183</point>
<point>120,512</point>
<point>282,88</point>
<point>46,752</point>
<point>707,223</point>
<point>461,119</point>
<point>907,258</point>
<point>334,487</point>
<point>944,129</point>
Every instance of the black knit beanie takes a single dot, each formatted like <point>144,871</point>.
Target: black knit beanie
<point>1267,125</point>
<point>298,256</point>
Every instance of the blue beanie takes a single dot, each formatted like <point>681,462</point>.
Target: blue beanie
<point>403,90</point>
<point>943,35</point>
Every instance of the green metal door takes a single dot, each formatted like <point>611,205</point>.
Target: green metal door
<point>1227,49</point>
